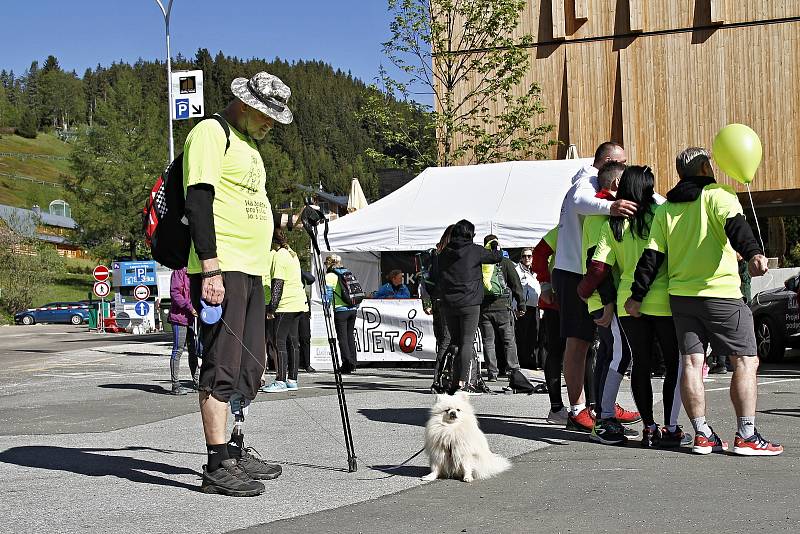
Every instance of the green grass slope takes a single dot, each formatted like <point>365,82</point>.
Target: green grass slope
<point>24,193</point>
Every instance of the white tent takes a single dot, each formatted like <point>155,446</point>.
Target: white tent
<point>518,201</point>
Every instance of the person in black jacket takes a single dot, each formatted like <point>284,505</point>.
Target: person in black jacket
<point>497,317</point>
<point>461,279</point>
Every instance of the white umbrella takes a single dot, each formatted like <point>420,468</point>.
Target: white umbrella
<point>356,200</point>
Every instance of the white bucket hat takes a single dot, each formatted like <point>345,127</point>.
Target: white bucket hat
<point>266,93</point>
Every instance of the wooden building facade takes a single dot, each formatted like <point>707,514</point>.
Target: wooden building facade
<point>660,75</point>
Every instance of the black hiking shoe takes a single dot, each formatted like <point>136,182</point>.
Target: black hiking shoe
<point>230,480</point>
<point>257,468</point>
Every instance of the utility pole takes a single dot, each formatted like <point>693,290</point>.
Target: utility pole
<point>166,12</point>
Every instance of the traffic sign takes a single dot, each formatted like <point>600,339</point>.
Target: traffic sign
<point>101,273</point>
<point>141,292</point>
<point>187,94</point>
<point>101,289</point>
<point>142,308</point>
<point>123,320</point>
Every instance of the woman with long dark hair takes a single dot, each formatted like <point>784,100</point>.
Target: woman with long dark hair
<point>461,280</point>
<point>287,303</point>
<point>622,240</point>
<point>433,288</point>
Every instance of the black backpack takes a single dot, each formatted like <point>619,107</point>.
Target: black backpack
<point>351,291</point>
<point>526,381</point>
<point>165,227</point>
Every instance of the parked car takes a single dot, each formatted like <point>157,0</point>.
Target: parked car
<point>54,312</point>
<point>777,319</point>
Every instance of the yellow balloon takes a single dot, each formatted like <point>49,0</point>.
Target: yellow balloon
<point>737,151</point>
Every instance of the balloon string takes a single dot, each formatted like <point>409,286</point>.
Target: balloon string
<point>758,227</point>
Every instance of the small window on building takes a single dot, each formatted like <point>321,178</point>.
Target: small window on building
<point>60,207</point>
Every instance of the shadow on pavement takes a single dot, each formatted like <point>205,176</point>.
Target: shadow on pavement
<point>409,471</point>
<point>786,412</point>
<point>147,388</point>
<point>525,428</point>
<point>372,386</point>
<point>312,466</point>
<point>88,462</point>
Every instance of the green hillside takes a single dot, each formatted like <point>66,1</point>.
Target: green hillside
<point>40,159</point>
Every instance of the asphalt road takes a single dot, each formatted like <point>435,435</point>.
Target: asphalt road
<point>90,441</point>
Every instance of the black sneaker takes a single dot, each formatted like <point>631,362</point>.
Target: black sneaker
<point>673,440</point>
<point>230,480</point>
<point>651,437</point>
<point>718,369</point>
<point>257,468</point>
<point>608,432</point>
<point>310,369</point>
<point>491,377</point>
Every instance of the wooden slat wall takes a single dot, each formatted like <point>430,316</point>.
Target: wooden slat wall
<point>591,80</point>
<point>656,15</point>
<point>661,93</point>
<point>678,94</point>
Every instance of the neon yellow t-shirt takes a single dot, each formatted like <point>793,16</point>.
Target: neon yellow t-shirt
<point>242,212</point>
<point>624,256</point>
<point>700,260</point>
<point>286,267</point>
<point>591,233</point>
<point>551,238</point>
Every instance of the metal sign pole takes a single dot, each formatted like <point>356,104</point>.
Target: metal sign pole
<point>166,12</point>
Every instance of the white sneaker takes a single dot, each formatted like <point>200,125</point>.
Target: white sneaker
<point>557,418</point>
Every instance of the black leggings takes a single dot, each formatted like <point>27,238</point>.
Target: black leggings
<point>345,322</point>
<point>463,324</point>
<point>642,332</point>
<point>285,327</point>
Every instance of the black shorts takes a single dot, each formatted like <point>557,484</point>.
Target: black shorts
<point>230,365</point>
<point>727,324</point>
<point>575,320</point>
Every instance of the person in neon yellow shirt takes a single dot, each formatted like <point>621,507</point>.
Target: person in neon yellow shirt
<point>613,354</point>
<point>231,222</point>
<point>621,242</point>
<point>697,234</point>
<point>287,303</point>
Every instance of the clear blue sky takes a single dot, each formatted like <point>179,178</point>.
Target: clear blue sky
<point>82,33</point>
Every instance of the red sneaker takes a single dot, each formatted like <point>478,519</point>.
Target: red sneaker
<point>755,445</point>
<point>707,445</point>
<point>582,421</point>
<point>626,417</point>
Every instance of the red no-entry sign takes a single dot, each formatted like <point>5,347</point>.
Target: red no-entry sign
<point>101,273</point>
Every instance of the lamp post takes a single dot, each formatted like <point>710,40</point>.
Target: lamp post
<point>166,12</point>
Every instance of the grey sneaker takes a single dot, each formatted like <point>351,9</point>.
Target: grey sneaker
<point>180,390</point>
<point>256,467</point>
<point>231,480</point>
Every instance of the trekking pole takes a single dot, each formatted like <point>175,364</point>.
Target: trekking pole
<point>327,308</point>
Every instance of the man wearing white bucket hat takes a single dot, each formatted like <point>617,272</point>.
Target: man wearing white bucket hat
<point>231,223</point>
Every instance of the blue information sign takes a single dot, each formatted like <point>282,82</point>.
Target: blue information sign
<point>142,308</point>
<point>134,273</point>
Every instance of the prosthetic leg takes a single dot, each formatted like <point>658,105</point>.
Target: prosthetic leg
<point>239,406</point>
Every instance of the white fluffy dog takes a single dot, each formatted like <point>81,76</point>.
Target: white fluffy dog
<point>455,445</point>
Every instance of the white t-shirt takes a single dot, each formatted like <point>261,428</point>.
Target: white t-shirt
<point>530,286</point>
<point>579,202</point>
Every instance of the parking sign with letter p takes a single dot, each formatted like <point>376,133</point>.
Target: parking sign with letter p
<point>182,108</point>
